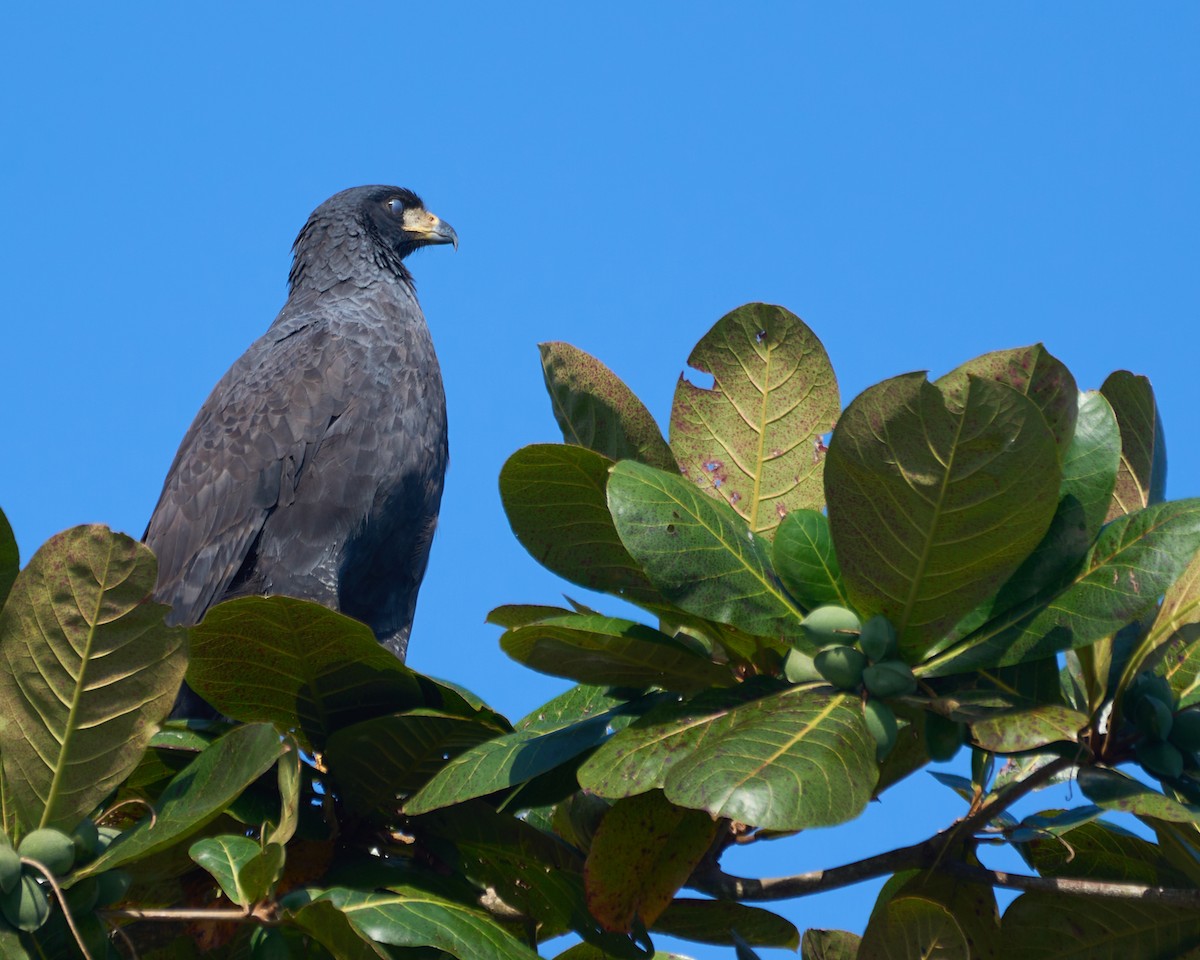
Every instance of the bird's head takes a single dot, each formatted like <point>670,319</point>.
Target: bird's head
<point>379,223</point>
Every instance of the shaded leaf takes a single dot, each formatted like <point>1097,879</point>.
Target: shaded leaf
<point>596,410</point>
<point>913,928</point>
<point>223,857</point>
<point>296,664</point>
<point>326,924</point>
<point>1142,477</point>
<point>583,701</point>
<point>1025,727</point>
<point>752,439</point>
<point>932,509</point>
<point>643,852</point>
<point>556,501</point>
<point>829,945</point>
<point>972,905</point>
<point>88,669</point>
<point>711,921</point>
<point>1043,926</point>
<point>803,556</point>
<point>10,558</point>
<point>1136,558</point>
<point>601,650</point>
<point>697,551</point>
<point>197,795</point>
<point>288,776</point>
<point>1115,791</point>
<point>1172,646</point>
<point>1101,851</point>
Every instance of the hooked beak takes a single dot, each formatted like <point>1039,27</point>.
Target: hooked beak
<point>427,227</point>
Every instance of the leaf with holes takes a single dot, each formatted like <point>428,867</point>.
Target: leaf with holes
<point>698,552</point>
<point>933,508</point>
<point>1142,479</point>
<point>596,410</point>
<point>753,440</point>
<point>88,670</point>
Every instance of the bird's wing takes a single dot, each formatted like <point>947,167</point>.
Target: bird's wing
<point>241,458</point>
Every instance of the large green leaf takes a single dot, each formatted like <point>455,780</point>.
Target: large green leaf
<point>1115,791</point>
<point>598,650</point>
<point>697,551</point>
<point>913,928</point>
<point>714,921</point>
<point>1136,558</point>
<point>417,919</point>
<point>1142,479</point>
<point>296,664</point>
<point>829,945</point>
<point>753,439</point>
<point>596,410</point>
<point>555,499</point>
<point>642,853</point>
<point>1101,851</point>
<point>1093,460</point>
<point>804,559</point>
<point>933,507</point>
<point>224,857</point>
<point>1013,725</point>
<point>87,671</point>
<point>10,558</point>
<point>379,761</point>
<point>1172,645</point>
<point>197,795</point>
<point>326,924</point>
<point>1032,371</point>
<point>1045,926</point>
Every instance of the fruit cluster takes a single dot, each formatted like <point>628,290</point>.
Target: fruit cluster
<point>1170,737</point>
<point>856,656</point>
<point>24,901</point>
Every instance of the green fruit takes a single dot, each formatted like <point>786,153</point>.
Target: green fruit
<point>85,837</point>
<point>841,665</point>
<point>104,837</point>
<point>1185,731</point>
<point>943,737</point>
<point>799,667</point>
<point>53,849</point>
<point>1153,718</point>
<point>10,867</point>
<point>1160,758</point>
<point>83,897</point>
<point>26,905</point>
<point>113,885</point>
<point>831,624</point>
<point>892,678</point>
<point>1152,686</point>
<point>881,723</point>
<point>878,638</point>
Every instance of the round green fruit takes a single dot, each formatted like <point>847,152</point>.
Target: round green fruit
<point>26,905</point>
<point>798,667</point>
<point>1185,731</point>
<point>1149,686</point>
<point>1160,758</point>
<point>10,867</point>
<point>881,723</point>
<point>83,897</point>
<point>1153,718</point>
<point>831,624</point>
<point>878,638</point>
<point>842,666</point>
<point>86,837</point>
<point>113,885</point>
<point>891,678</point>
<point>53,849</point>
<point>105,836</point>
<point>943,737</point>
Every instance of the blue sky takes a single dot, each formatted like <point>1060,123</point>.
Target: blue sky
<point>920,183</point>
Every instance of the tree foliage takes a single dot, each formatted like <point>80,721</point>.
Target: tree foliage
<point>832,598</point>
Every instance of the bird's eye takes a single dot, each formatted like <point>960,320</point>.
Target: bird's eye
<point>395,205</point>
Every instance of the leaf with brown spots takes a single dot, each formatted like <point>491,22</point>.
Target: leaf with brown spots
<point>1142,477</point>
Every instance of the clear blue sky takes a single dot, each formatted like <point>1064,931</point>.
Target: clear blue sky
<point>921,183</point>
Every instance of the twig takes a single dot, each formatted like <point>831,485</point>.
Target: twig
<point>1074,886</point>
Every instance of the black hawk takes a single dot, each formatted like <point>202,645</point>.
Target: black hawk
<point>315,467</point>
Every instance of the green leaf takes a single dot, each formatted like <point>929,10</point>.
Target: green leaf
<point>583,701</point>
<point>643,852</point>
<point>803,556</point>
<point>555,499</point>
<point>971,905</point>
<point>913,928</point>
<point>1033,372</point>
<point>506,762</point>
<point>1115,791</point>
<point>1024,727</point>
<point>712,921</point>
<point>197,795</point>
<point>10,558</point>
<point>697,551</point>
<point>1045,926</point>
<point>1136,558</point>
<point>87,671</point>
<point>257,877</point>
<point>1142,478</point>
<point>224,857</point>
<point>829,945</point>
<point>1172,646</point>
<point>1092,461</point>
<point>379,761</point>
<point>600,650</point>
<point>933,508</point>
<point>1101,851</point>
<point>290,781</point>
<point>296,664</point>
<point>596,410</point>
<point>424,920</point>
<point>326,924</point>
<point>752,440</point>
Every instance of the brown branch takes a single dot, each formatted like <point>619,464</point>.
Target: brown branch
<point>1075,886</point>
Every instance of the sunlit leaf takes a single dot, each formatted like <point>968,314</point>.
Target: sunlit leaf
<point>1115,791</point>
<point>753,440</point>
<point>803,556</point>
<point>1142,478</point>
<point>829,945</point>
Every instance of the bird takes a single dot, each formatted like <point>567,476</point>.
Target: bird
<point>316,466</point>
